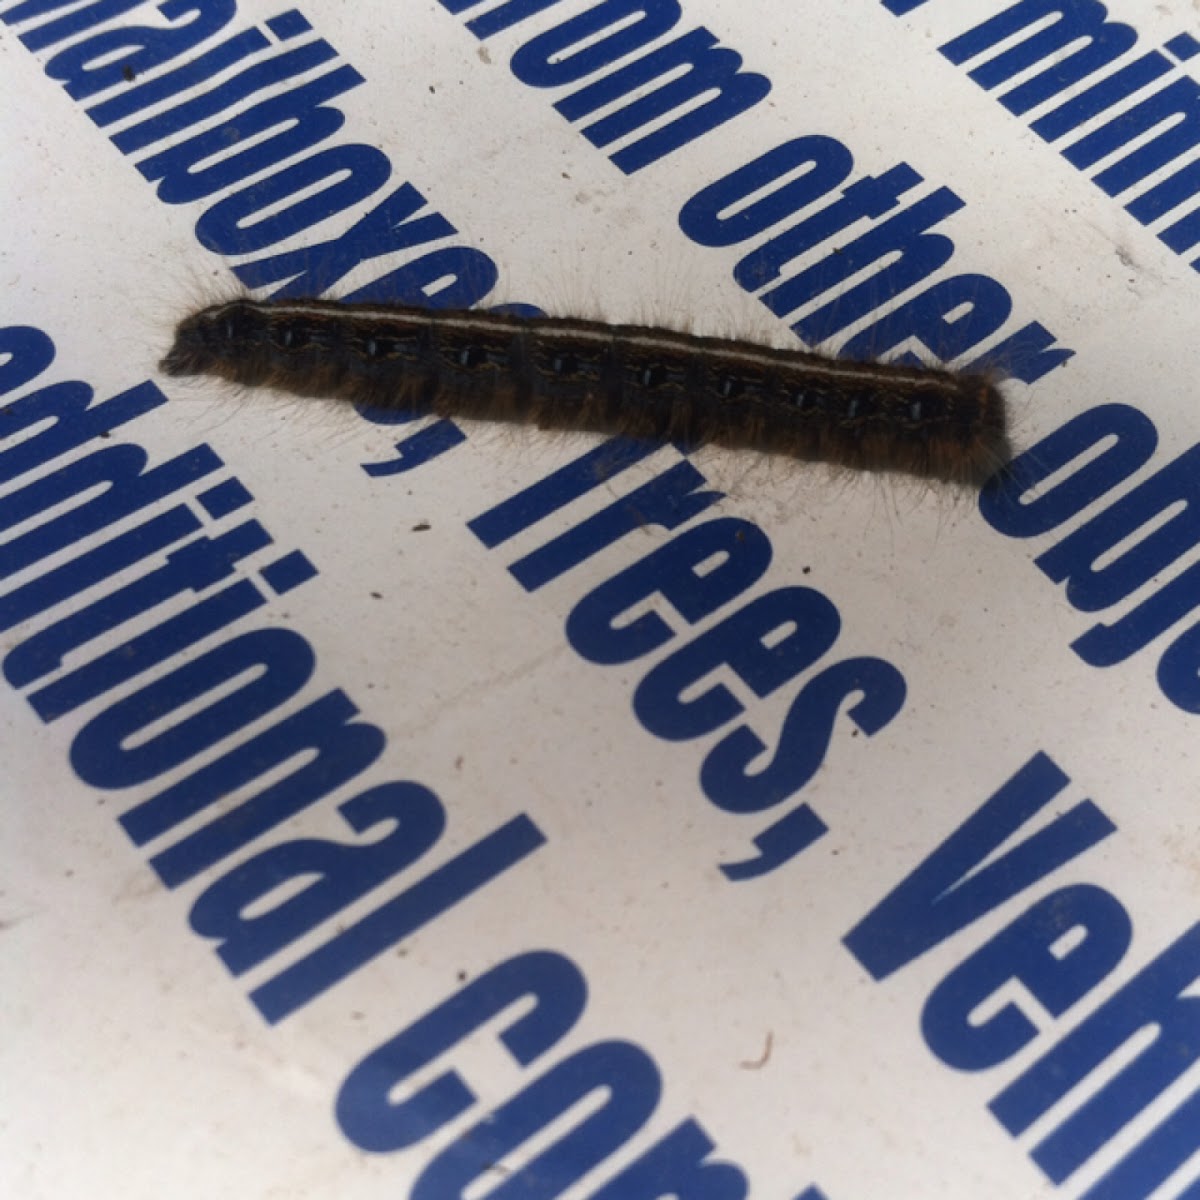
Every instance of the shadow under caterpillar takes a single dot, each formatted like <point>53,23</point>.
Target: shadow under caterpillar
<point>566,373</point>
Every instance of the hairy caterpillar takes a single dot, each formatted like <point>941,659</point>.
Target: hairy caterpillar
<point>566,373</point>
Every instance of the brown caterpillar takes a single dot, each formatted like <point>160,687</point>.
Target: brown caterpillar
<point>565,373</point>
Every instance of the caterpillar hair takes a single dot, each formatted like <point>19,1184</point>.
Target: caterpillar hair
<point>565,373</point>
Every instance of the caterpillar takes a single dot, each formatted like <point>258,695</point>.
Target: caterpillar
<point>568,373</point>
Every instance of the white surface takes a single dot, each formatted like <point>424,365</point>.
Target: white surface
<point>136,1065</point>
